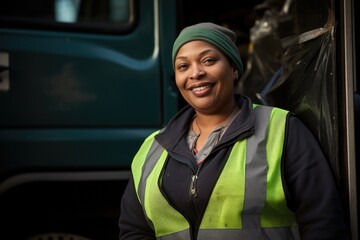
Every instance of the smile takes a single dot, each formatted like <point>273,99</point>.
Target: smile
<point>201,88</point>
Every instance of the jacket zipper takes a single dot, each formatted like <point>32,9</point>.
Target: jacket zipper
<point>193,193</point>
<point>193,189</point>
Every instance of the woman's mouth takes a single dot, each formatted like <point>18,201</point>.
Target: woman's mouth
<point>201,90</point>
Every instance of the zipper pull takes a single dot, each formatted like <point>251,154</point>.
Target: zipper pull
<point>193,186</point>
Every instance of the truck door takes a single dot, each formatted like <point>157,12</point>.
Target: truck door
<point>82,84</point>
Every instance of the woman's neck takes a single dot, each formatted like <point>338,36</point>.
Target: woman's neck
<point>208,122</point>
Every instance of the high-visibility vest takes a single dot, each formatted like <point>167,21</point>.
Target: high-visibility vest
<point>248,200</point>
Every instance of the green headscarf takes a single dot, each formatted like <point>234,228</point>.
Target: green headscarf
<point>222,38</point>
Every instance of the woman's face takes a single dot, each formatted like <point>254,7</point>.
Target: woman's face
<point>204,76</point>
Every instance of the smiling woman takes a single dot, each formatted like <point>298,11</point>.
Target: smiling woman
<point>224,166</point>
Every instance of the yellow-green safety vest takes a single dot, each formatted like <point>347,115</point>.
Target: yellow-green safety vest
<point>248,200</point>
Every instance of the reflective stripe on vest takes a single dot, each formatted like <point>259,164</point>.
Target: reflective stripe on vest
<point>252,206</point>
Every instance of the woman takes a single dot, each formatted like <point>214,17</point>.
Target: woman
<point>224,168</point>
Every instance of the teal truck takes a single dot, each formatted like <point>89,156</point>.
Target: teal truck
<point>82,83</point>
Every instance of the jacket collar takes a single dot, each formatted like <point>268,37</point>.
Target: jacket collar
<point>178,127</point>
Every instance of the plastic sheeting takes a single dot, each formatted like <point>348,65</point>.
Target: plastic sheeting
<point>291,65</point>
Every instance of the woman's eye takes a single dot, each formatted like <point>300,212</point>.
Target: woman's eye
<point>209,60</point>
<point>181,66</point>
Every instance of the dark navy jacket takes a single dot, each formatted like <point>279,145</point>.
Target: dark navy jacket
<point>308,181</point>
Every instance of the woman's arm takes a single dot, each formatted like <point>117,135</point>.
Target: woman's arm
<point>310,185</point>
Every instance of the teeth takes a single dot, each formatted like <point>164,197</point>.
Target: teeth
<point>201,88</point>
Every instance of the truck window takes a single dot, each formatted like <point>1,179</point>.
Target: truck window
<point>69,15</point>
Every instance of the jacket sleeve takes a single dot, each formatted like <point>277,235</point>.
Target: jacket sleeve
<point>132,222</point>
<point>310,186</point>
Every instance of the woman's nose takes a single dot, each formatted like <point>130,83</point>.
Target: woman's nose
<point>197,72</point>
